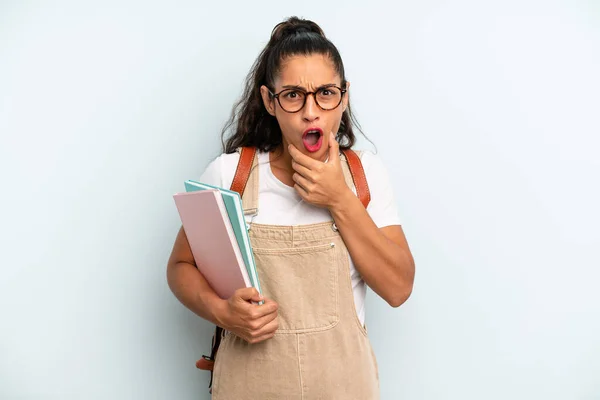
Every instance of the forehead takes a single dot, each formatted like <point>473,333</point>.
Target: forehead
<point>308,71</point>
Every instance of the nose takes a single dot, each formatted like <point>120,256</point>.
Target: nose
<point>310,111</point>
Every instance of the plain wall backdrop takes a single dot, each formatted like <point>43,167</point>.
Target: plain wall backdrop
<point>485,112</point>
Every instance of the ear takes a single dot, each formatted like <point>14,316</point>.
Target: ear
<point>346,98</point>
<point>268,101</point>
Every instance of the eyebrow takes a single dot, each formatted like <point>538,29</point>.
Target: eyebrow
<point>304,89</point>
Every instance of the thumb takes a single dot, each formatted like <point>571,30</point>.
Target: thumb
<point>249,294</point>
<point>334,149</point>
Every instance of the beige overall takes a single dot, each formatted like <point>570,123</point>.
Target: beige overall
<point>321,350</point>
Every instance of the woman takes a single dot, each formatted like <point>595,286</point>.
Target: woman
<point>315,244</point>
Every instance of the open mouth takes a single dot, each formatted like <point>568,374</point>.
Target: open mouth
<point>312,139</point>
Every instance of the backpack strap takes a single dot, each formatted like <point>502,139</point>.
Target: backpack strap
<point>207,363</point>
<point>242,173</point>
<point>358,176</point>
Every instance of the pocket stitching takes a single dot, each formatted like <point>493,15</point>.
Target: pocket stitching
<point>298,250</point>
<point>323,248</point>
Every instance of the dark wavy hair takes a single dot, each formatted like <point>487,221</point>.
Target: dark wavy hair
<point>250,123</point>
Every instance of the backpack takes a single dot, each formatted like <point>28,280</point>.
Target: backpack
<point>238,185</point>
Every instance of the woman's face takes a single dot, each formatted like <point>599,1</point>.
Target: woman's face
<point>308,129</point>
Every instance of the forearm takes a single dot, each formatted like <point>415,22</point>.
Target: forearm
<point>193,291</point>
<point>385,266</point>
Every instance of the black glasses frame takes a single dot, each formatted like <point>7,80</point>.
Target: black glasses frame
<point>314,94</point>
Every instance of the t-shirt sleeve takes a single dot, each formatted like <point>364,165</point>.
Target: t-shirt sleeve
<point>212,173</point>
<point>383,207</point>
<point>221,170</point>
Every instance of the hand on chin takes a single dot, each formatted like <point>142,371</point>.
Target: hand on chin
<point>317,182</point>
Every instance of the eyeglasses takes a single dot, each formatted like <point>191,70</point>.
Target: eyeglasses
<point>293,100</point>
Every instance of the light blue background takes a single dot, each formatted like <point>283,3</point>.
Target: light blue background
<point>487,114</point>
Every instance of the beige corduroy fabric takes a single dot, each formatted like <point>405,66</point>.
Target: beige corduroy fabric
<point>321,350</point>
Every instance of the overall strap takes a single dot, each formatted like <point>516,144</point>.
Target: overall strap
<point>354,164</point>
<point>242,173</point>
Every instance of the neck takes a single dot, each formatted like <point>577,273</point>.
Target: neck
<point>281,165</point>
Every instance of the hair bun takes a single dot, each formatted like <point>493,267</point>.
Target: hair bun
<point>293,26</point>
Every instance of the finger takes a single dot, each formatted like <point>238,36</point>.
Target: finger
<point>300,190</point>
<point>266,330</point>
<point>249,294</point>
<point>334,149</point>
<point>302,170</point>
<point>267,308</point>
<point>261,339</point>
<point>302,181</point>
<point>258,324</point>
<point>302,159</point>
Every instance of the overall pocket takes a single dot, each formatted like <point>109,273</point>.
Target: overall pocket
<point>304,283</point>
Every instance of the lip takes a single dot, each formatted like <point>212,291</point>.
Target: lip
<point>316,146</point>
<point>313,128</point>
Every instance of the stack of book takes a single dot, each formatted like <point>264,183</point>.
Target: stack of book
<point>213,221</point>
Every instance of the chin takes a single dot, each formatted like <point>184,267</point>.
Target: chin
<point>320,155</point>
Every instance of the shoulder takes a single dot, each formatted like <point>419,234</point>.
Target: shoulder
<point>382,208</point>
<point>372,164</point>
<point>220,170</point>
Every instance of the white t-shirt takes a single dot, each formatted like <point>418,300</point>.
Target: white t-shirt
<point>279,204</point>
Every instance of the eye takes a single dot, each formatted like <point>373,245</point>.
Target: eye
<point>292,94</point>
<point>328,92</point>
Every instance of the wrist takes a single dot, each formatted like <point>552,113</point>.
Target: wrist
<point>342,201</point>
<point>219,312</point>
